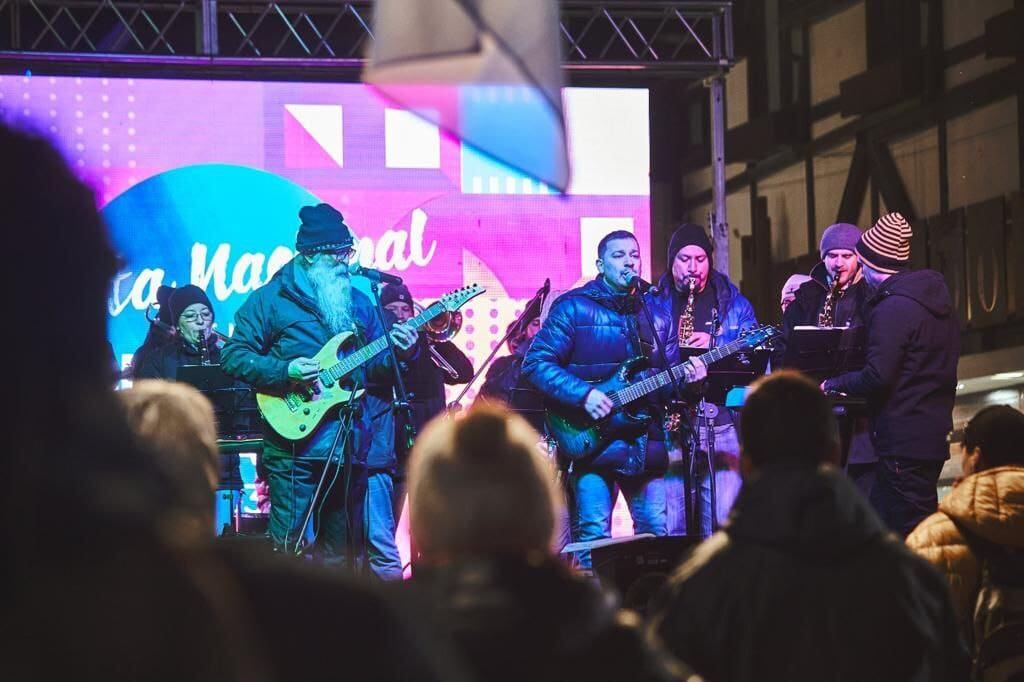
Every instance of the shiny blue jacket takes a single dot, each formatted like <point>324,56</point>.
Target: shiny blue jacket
<point>734,313</point>
<point>587,334</point>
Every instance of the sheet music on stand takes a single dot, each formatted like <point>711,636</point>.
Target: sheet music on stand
<point>824,352</point>
<point>230,400</point>
<point>728,373</point>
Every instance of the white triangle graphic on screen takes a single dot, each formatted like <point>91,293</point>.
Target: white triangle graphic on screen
<point>323,122</point>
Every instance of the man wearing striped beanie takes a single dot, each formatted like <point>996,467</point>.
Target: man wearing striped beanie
<point>909,376</point>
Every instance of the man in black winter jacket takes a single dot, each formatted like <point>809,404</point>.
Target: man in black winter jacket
<point>909,376</point>
<point>424,383</point>
<point>849,309</point>
<point>805,583</point>
<point>278,331</point>
<point>838,260</point>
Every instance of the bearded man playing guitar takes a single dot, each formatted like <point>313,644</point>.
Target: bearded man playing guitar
<point>589,332</point>
<point>278,331</point>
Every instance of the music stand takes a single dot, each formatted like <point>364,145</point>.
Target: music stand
<point>739,369</point>
<point>823,352</point>
<point>225,395</point>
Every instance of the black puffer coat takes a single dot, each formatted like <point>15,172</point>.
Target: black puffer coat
<point>587,334</point>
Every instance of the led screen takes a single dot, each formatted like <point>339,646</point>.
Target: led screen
<point>201,181</point>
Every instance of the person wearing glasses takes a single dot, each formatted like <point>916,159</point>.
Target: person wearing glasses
<point>278,331</point>
<point>193,343</point>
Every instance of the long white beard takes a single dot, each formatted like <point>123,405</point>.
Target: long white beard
<point>333,293</point>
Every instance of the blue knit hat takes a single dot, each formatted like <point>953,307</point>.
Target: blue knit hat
<point>839,236</point>
<point>323,228</point>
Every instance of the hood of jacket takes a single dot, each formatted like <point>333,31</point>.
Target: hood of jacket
<point>990,504</point>
<point>287,279</point>
<point>926,287</point>
<point>808,511</point>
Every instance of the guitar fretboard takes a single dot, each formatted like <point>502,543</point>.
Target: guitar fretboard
<point>626,395</point>
<point>367,352</point>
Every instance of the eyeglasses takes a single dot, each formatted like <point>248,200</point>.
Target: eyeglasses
<point>194,317</point>
<point>342,255</point>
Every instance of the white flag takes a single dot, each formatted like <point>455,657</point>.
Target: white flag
<point>487,71</point>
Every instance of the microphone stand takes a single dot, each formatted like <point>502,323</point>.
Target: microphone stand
<point>677,390</point>
<point>514,327</point>
<point>709,433</point>
<point>401,401</point>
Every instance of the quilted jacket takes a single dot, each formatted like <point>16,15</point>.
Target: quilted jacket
<point>990,504</point>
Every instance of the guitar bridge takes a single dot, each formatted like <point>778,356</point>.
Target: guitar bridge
<point>293,401</point>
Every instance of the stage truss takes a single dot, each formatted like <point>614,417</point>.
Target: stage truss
<point>616,42</point>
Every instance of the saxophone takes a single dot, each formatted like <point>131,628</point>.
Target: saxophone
<point>674,419</point>
<point>826,318</point>
<point>686,319</point>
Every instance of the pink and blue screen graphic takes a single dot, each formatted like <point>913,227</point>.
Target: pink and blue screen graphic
<point>201,182</point>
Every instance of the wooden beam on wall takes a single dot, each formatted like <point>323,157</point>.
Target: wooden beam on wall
<point>856,185</point>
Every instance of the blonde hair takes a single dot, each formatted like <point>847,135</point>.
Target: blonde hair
<point>480,485</point>
<point>177,422</point>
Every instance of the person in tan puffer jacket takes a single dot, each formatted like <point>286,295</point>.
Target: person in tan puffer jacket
<point>988,501</point>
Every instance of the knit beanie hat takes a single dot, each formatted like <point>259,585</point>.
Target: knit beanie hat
<point>323,228</point>
<point>685,235</point>
<point>886,246</point>
<point>839,236</point>
<point>185,296</point>
<point>390,293</point>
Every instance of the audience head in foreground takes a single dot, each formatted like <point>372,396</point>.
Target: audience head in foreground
<point>177,422</point>
<point>786,420</point>
<point>482,501</point>
<point>481,486</point>
<point>805,582</point>
<point>95,588</point>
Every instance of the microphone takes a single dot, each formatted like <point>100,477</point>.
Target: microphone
<point>638,284</point>
<point>373,275</point>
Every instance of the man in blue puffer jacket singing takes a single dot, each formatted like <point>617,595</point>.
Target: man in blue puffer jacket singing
<point>588,333</point>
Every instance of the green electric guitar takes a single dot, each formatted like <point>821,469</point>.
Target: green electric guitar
<point>295,413</point>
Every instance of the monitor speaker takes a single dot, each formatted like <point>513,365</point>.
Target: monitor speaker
<point>637,569</point>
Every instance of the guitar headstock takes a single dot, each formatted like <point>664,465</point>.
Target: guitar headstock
<point>456,299</point>
<point>759,336</point>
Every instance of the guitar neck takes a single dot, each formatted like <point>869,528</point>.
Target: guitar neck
<point>360,357</point>
<point>634,392</point>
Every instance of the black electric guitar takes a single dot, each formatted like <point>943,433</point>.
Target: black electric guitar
<point>579,436</point>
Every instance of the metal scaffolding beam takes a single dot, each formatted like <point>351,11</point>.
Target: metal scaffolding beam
<point>615,42</point>
<point>626,38</point>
